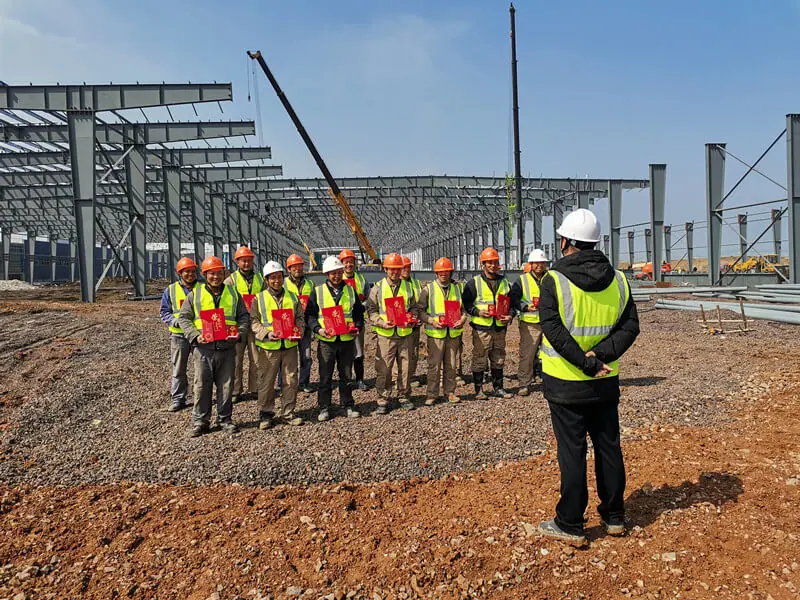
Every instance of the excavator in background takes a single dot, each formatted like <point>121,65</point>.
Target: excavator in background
<point>334,191</point>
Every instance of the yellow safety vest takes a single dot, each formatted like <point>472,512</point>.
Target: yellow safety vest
<point>416,286</point>
<point>589,317</point>
<point>347,301</point>
<point>241,283</point>
<point>385,291</point>
<point>530,290</point>
<point>228,302</point>
<point>361,283</point>
<point>176,295</point>
<point>484,298</point>
<point>436,309</point>
<point>266,304</point>
<point>307,288</point>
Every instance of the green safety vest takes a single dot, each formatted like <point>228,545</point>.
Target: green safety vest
<point>384,291</point>
<point>530,290</point>
<point>176,295</point>
<point>306,289</point>
<point>347,301</point>
<point>228,302</point>
<point>416,286</point>
<point>361,283</point>
<point>266,304</point>
<point>436,309</point>
<point>241,283</point>
<point>484,298</point>
<point>589,317</point>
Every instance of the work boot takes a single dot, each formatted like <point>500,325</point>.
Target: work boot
<point>324,415</point>
<point>414,384</point>
<point>497,383</point>
<point>523,391</point>
<point>383,409</point>
<point>293,420</point>
<point>453,399</point>
<point>265,421</point>
<point>308,389</point>
<point>550,529</point>
<point>477,381</point>
<point>614,526</point>
<point>352,413</point>
<point>236,398</point>
<point>406,403</point>
<point>229,427</point>
<point>199,430</point>
<point>360,385</point>
<point>430,401</point>
<point>176,406</point>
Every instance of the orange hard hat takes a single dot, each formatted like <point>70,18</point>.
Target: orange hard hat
<point>393,261</point>
<point>406,261</point>
<point>526,268</point>
<point>346,253</point>
<point>212,263</point>
<point>185,263</point>
<point>294,260</point>
<point>489,254</point>
<point>443,264</point>
<point>243,252</point>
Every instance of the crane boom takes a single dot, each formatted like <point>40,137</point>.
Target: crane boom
<point>334,190</point>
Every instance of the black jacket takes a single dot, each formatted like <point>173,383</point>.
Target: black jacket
<point>590,271</point>
<point>313,312</point>
<point>470,295</point>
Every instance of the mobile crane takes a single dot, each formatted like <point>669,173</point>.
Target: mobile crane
<point>333,190</point>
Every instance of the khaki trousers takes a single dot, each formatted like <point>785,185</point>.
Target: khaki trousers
<point>391,351</point>
<point>270,362</point>
<point>413,358</point>
<point>248,345</point>
<point>530,336</point>
<point>488,349</point>
<point>442,358</point>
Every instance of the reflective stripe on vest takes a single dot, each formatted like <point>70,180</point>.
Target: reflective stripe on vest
<point>266,304</point>
<point>416,287</point>
<point>530,290</point>
<point>436,309</point>
<point>242,287</point>
<point>589,317</point>
<point>228,302</point>
<point>176,294</point>
<point>361,283</point>
<point>385,291</point>
<point>307,287</point>
<point>347,301</point>
<point>484,297</point>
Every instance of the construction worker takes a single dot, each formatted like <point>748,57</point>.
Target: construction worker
<point>416,286</point>
<point>394,342</point>
<point>525,301</point>
<point>443,338</point>
<point>276,355</point>
<point>488,332</point>
<point>460,377</point>
<point>180,349</point>
<point>247,281</point>
<point>302,288</point>
<point>214,362</point>
<point>589,320</point>
<point>348,259</point>
<point>335,352</point>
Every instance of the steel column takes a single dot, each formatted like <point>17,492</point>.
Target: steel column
<point>742,219</point>
<point>198,193</point>
<point>73,249</point>
<point>172,206</point>
<point>253,239</point>
<point>6,252</point>
<point>606,241</point>
<point>233,236</point>
<point>668,243</point>
<point>583,200</point>
<point>615,218</point>
<point>538,215</point>
<point>631,246</point>
<point>776,232</point>
<point>217,222</point>
<point>793,193</point>
<point>648,246</point>
<point>558,216</point>
<point>30,243</point>
<point>81,127</point>
<point>715,190</point>
<point>243,218</point>
<point>658,191</point>
<point>53,257</point>
<point>135,182</point>
<point>689,247</point>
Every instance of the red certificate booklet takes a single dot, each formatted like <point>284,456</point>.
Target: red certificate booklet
<point>352,283</point>
<point>396,311</point>
<point>248,300</point>
<point>214,329</point>
<point>452,312</point>
<point>503,307</point>
<point>333,320</point>
<point>303,302</point>
<point>283,323</point>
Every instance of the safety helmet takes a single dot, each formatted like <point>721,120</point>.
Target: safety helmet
<point>243,252</point>
<point>212,263</point>
<point>580,225</point>
<point>294,260</point>
<point>443,264</point>
<point>537,255</point>
<point>332,263</point>
<point>489,254</point>
<point>406,261</point>
<point>346,253</point>
<point>185,263</point>
<point>393,261</point>
<point>272,267</point>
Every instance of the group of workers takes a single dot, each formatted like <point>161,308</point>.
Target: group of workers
<point>577,319</point>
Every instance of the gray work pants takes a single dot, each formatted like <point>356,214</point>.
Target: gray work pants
<point>213,368</point>
<point>246,347</point>
<point>180,349</point>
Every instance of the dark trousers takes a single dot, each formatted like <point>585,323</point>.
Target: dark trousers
<point>571,423</point>
<point>213,369</point>
<point>304,347</point>
<point>335,355</point>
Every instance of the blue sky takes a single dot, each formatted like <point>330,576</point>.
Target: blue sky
<point>421,87</point>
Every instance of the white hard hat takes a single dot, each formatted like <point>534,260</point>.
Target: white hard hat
<point>272,267</point>
<point>537,255</point>
<point>580,225</point>
<point>332,263</point>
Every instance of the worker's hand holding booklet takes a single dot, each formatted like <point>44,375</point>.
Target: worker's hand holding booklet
<point>283,324</point>
<point>334,321</point>
<point>214,329</point>
<point>396,313</point>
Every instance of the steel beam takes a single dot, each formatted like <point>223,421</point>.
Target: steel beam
<point>53,258</point>
<point>82,158</point>
<point>631,246</point>
<point>658,189</point>
<point>776,214</point>
<point>689,246</point>
<point>715,190</point>
<point>793,193</point>
<point>172,205</point>
<point>30,244</point>
<point>615,218</point>
<point>648,246</point>
<point>668,243</point>
<point>137,214</point>
<point>742,220</point>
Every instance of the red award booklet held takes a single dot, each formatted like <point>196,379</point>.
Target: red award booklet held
<point>396,311</point>
<point>283,323</point>
<point>503,307</point>
<point>334,321</point>
<point>452,312</point>
<point>214,328</point>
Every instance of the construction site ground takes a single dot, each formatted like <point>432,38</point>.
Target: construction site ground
<point>104,495</point>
